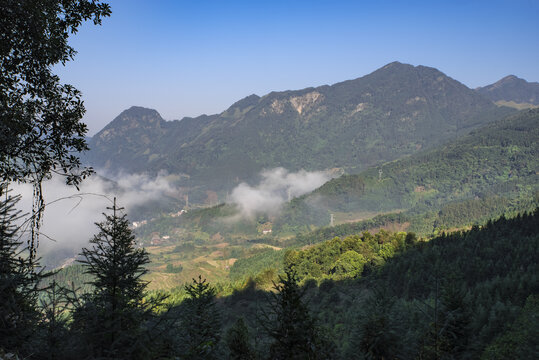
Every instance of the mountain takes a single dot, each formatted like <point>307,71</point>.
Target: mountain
<point>492,171</point>
<point>395,111</point>
<point>126,137</point>
<point>512,90</point>
<point>487,171</point>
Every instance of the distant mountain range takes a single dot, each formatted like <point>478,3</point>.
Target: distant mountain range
<point>491,171</point>
<point>512,90</point>
<point>395,111</point>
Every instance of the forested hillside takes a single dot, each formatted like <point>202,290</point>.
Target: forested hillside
<point>492,171</point>
<point>394,111</point>
<point>463,295</point>
<point>486,171</point>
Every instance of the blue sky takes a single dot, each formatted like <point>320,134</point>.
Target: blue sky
<point>187,58</point>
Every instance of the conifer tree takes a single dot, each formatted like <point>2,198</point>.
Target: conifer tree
<point>18,280</point>
<point>54,304</point>
<point>110,320</point>
<point>294,332</point>
<point>201,323</point>
<point>237,340</point>
<point>378,335</point>
<point>447,337</point>
<point>455,319</point>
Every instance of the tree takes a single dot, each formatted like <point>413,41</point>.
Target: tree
<point>54,304</point>
<point>410,240</point>
<point>455,318</point>
<point>201,323</point>
<point>448,334</point>
<point>41,132</point>
<point>350,264</point>
<point>294,332</point>
<point>378,335</point>
<point>110,320</point>
<point>237,340</point>
<point>520,340</point>
<point>18,280</point>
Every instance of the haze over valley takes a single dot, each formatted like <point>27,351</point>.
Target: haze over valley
<point>269,180</point>
<point>260,168</point>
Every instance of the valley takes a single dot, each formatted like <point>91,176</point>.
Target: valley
<point>487,171</point>
<point>347,227</point>
<point>269,180</point>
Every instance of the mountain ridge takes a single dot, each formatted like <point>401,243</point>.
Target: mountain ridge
<point>512,89</point>
<point>391,112</point>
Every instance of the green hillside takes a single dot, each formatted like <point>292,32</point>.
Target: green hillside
<point>490,168</point>
<point>462,295</point>
<point>488,173</point>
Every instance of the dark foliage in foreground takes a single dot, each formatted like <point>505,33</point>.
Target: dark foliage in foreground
<point>464,295</point>
<point>459,295</point>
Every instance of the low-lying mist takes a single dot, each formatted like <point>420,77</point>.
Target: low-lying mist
<point>277,186</point>
<point>70,215</point>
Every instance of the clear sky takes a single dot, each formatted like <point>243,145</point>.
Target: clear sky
<point>187,58</point>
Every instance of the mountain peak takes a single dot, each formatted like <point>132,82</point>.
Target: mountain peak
<point>402,70</point>
<point>510,78</point>
<point>246,101</point>
<point>136,118</point>
<point>139,112</point>
<point>512,89</point>
<point>393,64</point>
<point>242,106</point>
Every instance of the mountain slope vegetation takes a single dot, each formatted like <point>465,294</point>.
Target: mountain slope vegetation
<point>512,90</point>
<point>456,294</point>
<point>397,110</point>
<point>496,162</point>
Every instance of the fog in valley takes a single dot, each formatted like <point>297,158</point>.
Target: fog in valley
<point>70,214</point>
<point>276,187</point>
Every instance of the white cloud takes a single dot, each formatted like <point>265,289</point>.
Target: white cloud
<point>274,189</point>
<point>70,215</point>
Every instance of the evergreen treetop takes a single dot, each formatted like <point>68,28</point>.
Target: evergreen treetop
<point>110,321</point>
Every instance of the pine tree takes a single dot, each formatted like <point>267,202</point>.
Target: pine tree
<point>455,319</point>
<point>110,320</point>
<point>294,332</point>
<point>237,340</point>
<point>448,334</point>
<point>18,280</point>
<point>201,323</point>
<point>378,333</point>
<point>54,304</point>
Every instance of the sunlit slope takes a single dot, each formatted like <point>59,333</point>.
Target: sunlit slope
<point>499,161</point>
